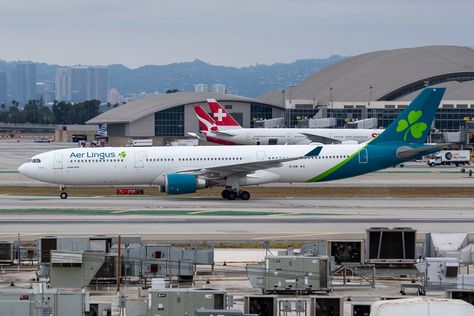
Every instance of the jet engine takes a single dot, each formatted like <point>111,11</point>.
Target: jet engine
<point>177,183</point>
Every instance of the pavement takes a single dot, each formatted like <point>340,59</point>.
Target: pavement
<point>181,218</point>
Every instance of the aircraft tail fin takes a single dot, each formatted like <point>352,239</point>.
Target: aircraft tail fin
<point>221,117</point>
<point>414,123</point>
<point>206,123</point>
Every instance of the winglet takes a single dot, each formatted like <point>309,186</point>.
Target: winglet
<point>315,152</point>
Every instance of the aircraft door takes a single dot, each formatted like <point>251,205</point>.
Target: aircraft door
<point>58,161</point>
<point>140,159</point>
<point>363,156</point>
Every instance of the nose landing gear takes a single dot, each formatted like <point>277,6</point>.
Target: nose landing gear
<point>62,192</point>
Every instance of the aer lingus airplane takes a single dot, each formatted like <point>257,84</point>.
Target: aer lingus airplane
<point>224,129</point>
<point>180,170</point>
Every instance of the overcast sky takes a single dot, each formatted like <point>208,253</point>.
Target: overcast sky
<point>223,32</point>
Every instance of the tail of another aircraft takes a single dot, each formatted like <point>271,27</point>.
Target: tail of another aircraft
<point>206,123</point>
<point>403,140</point>
<point>221,117</point>
<point>414,123</point>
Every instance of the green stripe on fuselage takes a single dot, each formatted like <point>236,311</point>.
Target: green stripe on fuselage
<point>331,170</point>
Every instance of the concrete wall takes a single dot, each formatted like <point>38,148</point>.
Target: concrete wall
<point>144,127</point>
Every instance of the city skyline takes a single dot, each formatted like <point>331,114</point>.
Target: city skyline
<point>231,33</point>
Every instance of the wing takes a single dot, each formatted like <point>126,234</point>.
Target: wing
<point>320,139</point>
<point>242,169</point>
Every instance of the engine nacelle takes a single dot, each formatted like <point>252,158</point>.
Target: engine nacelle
<point>177,183</point>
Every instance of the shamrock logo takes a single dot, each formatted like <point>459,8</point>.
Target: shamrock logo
<point>122,154</point>
<point>412,126</point>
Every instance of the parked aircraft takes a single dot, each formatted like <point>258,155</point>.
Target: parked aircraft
<point>224,129</point>
<point>180,170</point>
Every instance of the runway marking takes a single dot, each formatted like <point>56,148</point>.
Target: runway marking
<point>202,212</point>
<point>164,212</point>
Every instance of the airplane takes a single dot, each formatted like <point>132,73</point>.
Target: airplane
<point>224,129</point>
<point>181,170</point>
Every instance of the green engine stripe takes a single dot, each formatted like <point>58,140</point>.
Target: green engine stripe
<point>336,167</point>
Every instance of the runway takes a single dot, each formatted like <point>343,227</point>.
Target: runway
<point>178,218</point>
<point>286,217</point>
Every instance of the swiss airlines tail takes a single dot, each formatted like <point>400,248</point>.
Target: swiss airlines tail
<point>206,123</point>
<point>221,117</point>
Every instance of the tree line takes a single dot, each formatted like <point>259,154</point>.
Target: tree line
<point>36,112</point>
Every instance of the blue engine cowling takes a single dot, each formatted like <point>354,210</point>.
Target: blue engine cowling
<point>183,183</point>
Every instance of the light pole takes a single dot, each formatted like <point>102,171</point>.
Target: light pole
<point>370,92</point>
<point>290,86</point>
<point>330,95</point>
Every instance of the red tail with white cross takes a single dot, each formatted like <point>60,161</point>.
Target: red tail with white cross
<point>220,116</point>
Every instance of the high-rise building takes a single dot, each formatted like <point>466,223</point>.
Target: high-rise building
<point>24,82</point>
<point>81,83</point>
<point>218,88</point>
<point>97,83</point>
<point>78,84</point>
<point>45,91</point>
<point>3,86</point>
<point>62,84</point>
<point>201,87</point>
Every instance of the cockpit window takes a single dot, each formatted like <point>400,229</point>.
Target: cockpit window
<point>35,160</point>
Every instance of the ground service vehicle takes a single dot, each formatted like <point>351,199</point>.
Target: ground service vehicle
<point>450,157</point>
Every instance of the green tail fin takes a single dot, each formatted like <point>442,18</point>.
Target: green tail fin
<point>414,123</point>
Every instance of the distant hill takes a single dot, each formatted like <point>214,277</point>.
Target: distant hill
<point>247,81</point>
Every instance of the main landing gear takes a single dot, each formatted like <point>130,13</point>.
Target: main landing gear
<point>62,192</point>
<point>230,194</point>
<point>232,190</point>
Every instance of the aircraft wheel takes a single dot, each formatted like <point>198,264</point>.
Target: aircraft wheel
<point>63,195</point>
<point>231,195</point>
<point>244,195</point>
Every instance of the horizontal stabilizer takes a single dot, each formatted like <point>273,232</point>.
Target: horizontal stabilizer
<point>197,135</point>
<point>220,133</point>
<point>406,152</point>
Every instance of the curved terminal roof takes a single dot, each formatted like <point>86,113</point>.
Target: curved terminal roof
<point>391,74</point>
<point>136,110</point>
<point>455,90</point>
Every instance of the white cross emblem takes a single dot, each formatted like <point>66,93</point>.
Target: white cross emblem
<point>220,114</point>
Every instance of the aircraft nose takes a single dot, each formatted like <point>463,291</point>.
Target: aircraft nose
<point>23,169</point>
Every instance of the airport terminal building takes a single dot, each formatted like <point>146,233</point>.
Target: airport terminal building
<point>372,85</point>
<point>168,117</point>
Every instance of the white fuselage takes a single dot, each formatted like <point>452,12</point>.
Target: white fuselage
<point>150,165</point>
<point>291,136</point>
